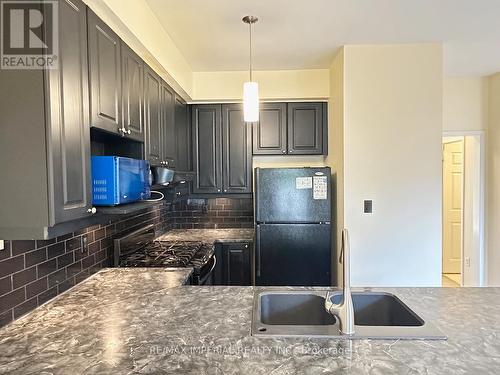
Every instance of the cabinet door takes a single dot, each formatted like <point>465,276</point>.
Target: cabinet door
<point>207,153</point>
<point>236,264</point>
<point>104,75</point>
<point>133,93</point>
<point>236,150</point>
<point>269,134</point>
<point>68,118</point>
<point>305,128</point>
<point>168,144</point>
<point>182,135</point>
<point>152,116</point>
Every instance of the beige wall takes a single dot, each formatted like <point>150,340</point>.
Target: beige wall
<point>465,104</point>
<point>493,184</point>
<point>392,154</point>
<point>274,85</point>
<point>335,158</point>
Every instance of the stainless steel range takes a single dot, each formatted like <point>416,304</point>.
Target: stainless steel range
<point>140,249</point>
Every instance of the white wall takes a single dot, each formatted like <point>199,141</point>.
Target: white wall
<point>392,154</point>
<point>465,104</point>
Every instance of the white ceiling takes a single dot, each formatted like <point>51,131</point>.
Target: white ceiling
<point>304,34</point>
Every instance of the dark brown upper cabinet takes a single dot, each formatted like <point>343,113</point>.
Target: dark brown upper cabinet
<point>152,116</point>
<point>222,158</point>
<point>183,135</point>
<point>105,76</point>
<point>45,140</point>
<point>291,129</point>
<point>269,134</point>
<point>307,128</point>
<point>132,69</point>
<point>168,141</point>
<point>236,150</point>
<point>207,153</point>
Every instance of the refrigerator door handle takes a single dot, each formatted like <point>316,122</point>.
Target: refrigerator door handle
<point>257,253</point>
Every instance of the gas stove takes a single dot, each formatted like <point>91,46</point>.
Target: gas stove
<point>167,254</point>
<point>140,249</point>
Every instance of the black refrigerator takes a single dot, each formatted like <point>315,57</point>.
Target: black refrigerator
<point>293,226</point>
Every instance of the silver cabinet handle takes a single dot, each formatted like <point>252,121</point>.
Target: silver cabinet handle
<point>92,210</point>
<point>128,131</point>
<point>284,151</point>
<point>218,190</point>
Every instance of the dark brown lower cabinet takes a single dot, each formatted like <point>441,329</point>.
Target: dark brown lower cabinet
<point>234,263</point>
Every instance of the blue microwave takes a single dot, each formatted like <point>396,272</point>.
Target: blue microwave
<point>117,180</point>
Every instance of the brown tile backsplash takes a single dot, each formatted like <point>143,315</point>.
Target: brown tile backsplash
<point>213,213</point>
<point>33,272</point>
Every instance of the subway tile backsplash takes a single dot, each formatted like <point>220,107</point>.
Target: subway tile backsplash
<point>213,213</point>
<point>33,272</point>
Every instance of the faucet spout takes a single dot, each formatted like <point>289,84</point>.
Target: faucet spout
<point>344,311</point>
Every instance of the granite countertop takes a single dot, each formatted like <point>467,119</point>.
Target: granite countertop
<point>132,323</point>
<point>209,235</point>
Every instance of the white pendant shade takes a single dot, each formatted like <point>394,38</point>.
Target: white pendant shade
<point>251,102</point>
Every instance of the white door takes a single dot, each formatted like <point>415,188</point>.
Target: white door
<point>453,170</point>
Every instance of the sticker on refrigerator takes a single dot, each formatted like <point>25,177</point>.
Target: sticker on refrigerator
<point>320,188</point>
<point>303,183</point>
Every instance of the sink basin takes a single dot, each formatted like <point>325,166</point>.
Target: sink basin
<point>381,309</point>
<point>294,309</point>
<point>299,313</point>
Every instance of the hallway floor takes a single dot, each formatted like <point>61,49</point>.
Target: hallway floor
<point>451,280</point>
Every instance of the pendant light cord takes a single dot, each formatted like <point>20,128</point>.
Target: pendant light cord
<point>250,24</point>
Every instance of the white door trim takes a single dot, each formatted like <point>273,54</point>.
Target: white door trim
<point>479,202</point>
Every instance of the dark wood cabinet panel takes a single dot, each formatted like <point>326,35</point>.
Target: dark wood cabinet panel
<point>168,141</point>
<point>234,265</point>
<point>104,75</point>
<point>207,155</point>
<point>270,133</point>
<point>236,150</point>
<point>152,116</point>
<point>306,125</point>
<point>132,70</point>
<point>182,134</point>
<point>68,118</point>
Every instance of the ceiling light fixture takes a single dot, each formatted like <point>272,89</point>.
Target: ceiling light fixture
<point>250,89</point>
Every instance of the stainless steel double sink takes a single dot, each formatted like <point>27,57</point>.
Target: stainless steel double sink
<point>300,313</point>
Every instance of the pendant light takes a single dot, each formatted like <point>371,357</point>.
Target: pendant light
<point>250,89</point>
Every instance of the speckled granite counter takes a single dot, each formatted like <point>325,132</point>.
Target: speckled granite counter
<point>117,324</point>
<point>208,235</point>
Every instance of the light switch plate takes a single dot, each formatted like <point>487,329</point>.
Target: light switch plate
<point>2,245</point>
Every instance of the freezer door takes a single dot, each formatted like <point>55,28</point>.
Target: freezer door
<point>292,195</point>
<point>293,255</point>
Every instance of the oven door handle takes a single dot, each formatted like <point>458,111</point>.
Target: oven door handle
<point>209,273</point>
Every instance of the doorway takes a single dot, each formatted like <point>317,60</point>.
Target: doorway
<point>463,210</point>
<point>453,186</point>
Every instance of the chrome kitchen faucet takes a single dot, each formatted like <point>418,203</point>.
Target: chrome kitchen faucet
<point>344,310</point>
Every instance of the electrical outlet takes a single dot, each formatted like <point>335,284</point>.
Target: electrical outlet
<point>467,261</point>
<point>2,245</point>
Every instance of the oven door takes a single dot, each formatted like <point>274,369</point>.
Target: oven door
<point>206,276</point>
